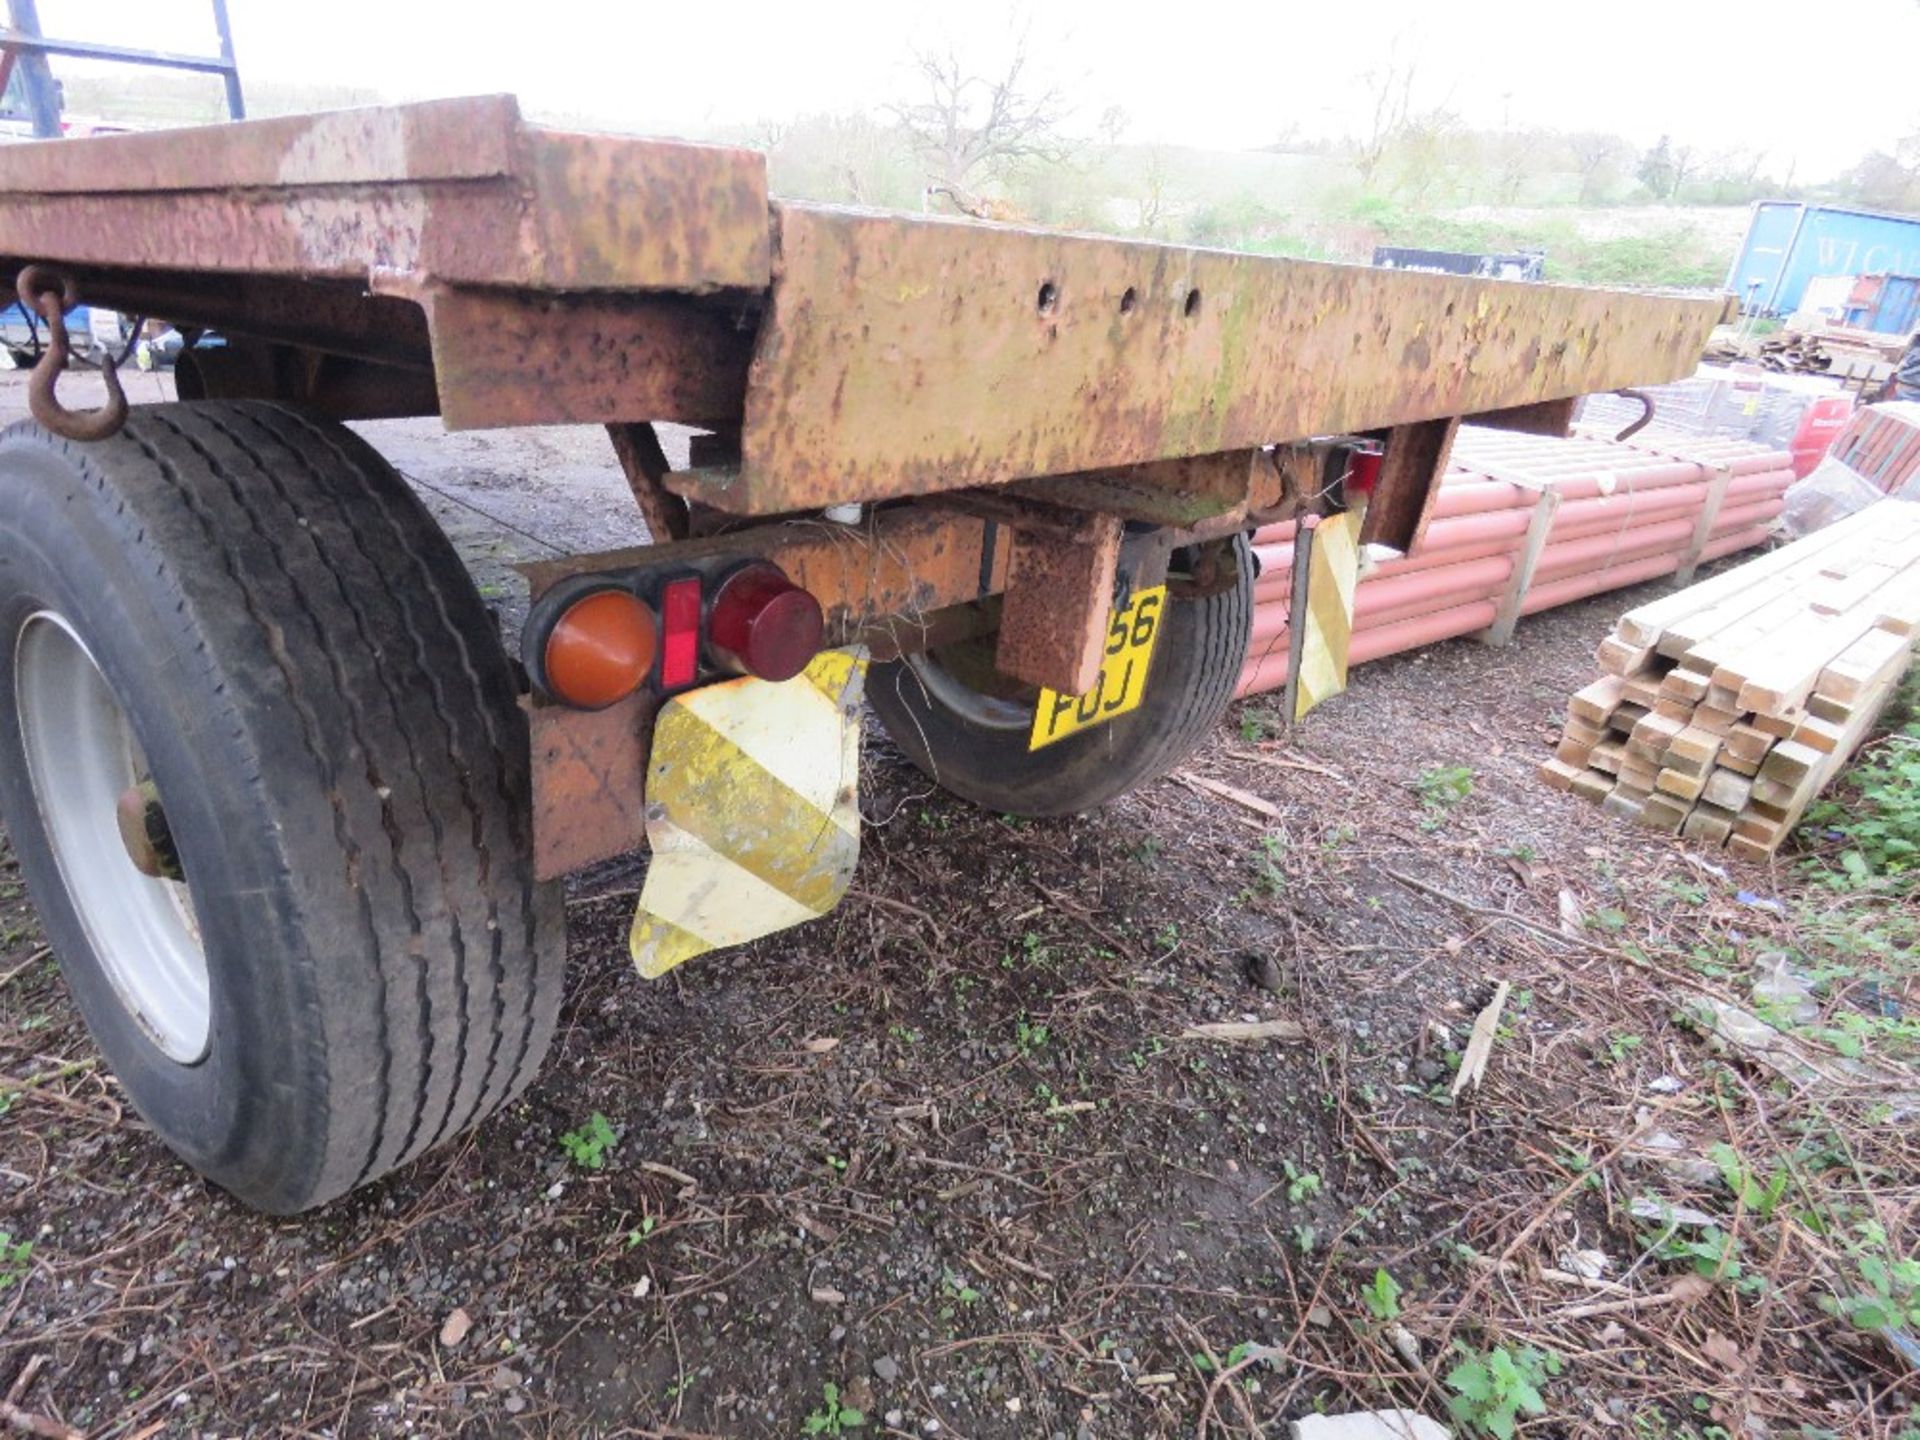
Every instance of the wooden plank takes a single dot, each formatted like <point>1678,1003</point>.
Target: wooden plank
<point>1625,716</point>
<point>1643,689</point>
<point>1717,483</point>
<point>1855,669</point>
<point>1795,666</point>
<point>1586,734</point>
<point>1592,785</point>
<point>1619,658</point>
<point>1559,773</point>
<point>1713,719</point>
<point>1708,823</point>
<point>1594,703</point>
<point>1624,803</point>
<point>1679,784</point>
<point>1821,735</point>
<point>1727,789</point>
<point>1683,683</point>
<point>1748,741</point>
<point>1572,752</point>
<point>1665,812</point>
<point>1693,750</point>
<point>1546,505</point>
<point>1647,624</point>
<point>1711,650</point>
<point>1607,756</point>
<point>1790,762</point>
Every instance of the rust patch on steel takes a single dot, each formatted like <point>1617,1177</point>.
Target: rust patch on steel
<point>1409,483</point>
<point>1053,621</point>
<point>512,358</point>
<point>903,355</point>
<point>1181,491</point>
<point>883,574</point>
<point>589,782</point>
<point>454,191</point>
<point>465,139</point>
<point>333,315</point>
<point>338,386</point>
<point>637,447</point>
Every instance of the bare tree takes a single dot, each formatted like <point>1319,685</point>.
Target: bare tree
<point>1390,86</point>
<point>1597,158</point>
<point>1686,160</point>
<point>1152,198</point>
<point>1887,177</point>
<point>970,127</point>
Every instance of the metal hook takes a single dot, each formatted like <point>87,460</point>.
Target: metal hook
<point>1646,414</point>
<point>50,293</point>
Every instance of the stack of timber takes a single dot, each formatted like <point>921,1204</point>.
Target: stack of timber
<point>1728,706</point>
<point>1527,522</point>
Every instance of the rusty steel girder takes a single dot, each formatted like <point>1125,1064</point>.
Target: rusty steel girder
<point>901,355</point>
<point>878,581</point>
<point>453,191</point>
<point>543,277</point>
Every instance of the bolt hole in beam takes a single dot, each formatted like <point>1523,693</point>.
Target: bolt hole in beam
<point>1129,298</point>
<point>1049,298</point>
<point>1193,303</point>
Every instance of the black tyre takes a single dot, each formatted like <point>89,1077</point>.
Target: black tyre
<point>968,728</point>
<point>238,621</point>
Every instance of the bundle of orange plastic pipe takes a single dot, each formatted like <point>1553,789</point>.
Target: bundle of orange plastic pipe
<point>1628,512</point>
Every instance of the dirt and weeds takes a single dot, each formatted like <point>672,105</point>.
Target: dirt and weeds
<point>947,1163</point>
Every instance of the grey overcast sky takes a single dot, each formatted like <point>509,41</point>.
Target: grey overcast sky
<point>1813,86</point>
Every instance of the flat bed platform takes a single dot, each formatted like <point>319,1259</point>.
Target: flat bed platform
<point>517,275</point>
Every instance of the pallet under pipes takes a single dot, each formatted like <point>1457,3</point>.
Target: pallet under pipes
<point>1525,523</point>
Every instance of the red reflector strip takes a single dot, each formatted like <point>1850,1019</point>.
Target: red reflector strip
<point>680,633</point>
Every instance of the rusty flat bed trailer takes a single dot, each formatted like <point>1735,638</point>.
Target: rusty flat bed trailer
<point>1000,461</point>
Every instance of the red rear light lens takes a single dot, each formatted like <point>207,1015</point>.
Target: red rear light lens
<point>680,632</point>
<point>762,624</point>
<point>1363,467</point>
<point>599,650</point>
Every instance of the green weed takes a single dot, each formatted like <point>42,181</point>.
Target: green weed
<point>1440,788</point>
<point>832,1418</point>
<point>1301,1184</point>
<point>589,1146</point>
<point>13,1260</point>
<point>1877,816</point>
<point>1383,1296</point>
<point>1493,1389</point>
<point>1031,1038</point>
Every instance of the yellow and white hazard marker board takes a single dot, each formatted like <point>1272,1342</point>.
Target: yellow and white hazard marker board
<point>1325,631</point>
<point>753,809</point>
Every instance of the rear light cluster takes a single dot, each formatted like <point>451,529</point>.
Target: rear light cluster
<point>592,641</point>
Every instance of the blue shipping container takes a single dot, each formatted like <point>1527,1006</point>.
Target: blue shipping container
<point>1789,244</point>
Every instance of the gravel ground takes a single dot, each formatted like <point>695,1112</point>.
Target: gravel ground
<point>948,1155</point>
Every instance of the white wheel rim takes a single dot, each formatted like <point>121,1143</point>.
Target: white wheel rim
<point>81,757</point>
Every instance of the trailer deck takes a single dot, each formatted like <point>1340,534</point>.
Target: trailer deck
<point>534,276</point>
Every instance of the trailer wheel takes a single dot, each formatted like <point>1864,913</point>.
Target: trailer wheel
<point>262,764</point>
<point>967,729</point>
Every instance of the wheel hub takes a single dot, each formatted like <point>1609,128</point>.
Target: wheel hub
<point>143,830</point>
<point>110,837</point>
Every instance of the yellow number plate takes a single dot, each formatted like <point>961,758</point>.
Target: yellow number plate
<point>1123,674</point>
